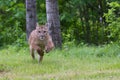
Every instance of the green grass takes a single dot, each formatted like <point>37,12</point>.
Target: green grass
<point>75,63</point>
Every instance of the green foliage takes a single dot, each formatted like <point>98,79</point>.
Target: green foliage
<point>83,22</point>
<point>80,21</point>
<point>21,41</point>
<point>113,19</point>
<point>41,11</point>
<point>12,21</point>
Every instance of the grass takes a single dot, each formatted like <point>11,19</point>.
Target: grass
<point>74,63</point>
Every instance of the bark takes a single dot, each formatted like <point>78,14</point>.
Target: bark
<point>53,21</point>
<point>30,16</point>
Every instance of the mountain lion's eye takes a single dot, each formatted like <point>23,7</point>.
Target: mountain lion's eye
<point>44,31</point>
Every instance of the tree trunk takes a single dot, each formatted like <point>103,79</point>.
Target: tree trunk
<point>30,16</point>
<point>53,21</point>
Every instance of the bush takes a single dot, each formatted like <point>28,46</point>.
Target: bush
<point>113,20</point>
<point>12,21</point>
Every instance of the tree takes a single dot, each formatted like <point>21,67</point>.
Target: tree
<point>30,16</point>
<point>53,21</point>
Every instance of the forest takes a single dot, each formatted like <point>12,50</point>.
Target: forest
<point>86,35</point>
<point>81,21</point>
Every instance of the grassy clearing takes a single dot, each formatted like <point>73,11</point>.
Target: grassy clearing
<point>76,63</point>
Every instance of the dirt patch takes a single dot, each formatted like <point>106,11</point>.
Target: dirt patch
<point>3,69</point>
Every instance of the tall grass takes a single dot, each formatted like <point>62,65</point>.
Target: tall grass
<point>70,63</point>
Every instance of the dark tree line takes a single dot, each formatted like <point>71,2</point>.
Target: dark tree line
<point>86,20</point>
<point>81,21</point>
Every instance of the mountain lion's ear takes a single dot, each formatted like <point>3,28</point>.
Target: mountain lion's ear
<point>37,26</point>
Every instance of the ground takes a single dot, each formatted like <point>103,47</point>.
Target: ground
<point>76,63</point>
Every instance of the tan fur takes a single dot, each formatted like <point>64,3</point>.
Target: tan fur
<point>41,41</point>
